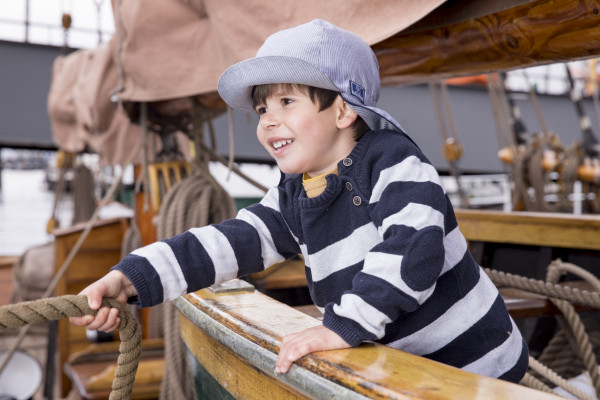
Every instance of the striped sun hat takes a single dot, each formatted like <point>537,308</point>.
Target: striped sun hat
<point>316,54</point>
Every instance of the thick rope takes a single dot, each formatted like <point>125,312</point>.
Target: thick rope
<point>556,379</point>
<point>572,321</point>
<point>50,309</point>
<point>198,200</point>
<point>534,383</point>
<point>572,327</point>
<point>573,295</point>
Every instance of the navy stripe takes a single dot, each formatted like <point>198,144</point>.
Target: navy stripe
<point>349,330</point>
<point>383,296</point>
<point>284,242</point>
<point>489,332</point>
<point>450,288</point>
<point>516,373</point>
<point>244,240</point>
<point>333,286</point>
<point>196,265</point>
<point>385,151</point>
<point>399,245</point>
<point>144,278</point>
<point>404,193</point>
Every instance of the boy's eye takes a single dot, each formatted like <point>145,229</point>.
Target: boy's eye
<point>261,110</point>
<point>285,101</point>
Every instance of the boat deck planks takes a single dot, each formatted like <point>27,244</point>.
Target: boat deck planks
<point>371,370</point>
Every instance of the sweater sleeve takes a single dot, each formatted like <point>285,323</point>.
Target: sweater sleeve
<point>407,204</point>
<point>256,239</point>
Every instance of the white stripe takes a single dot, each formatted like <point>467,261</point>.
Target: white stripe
<point>161,257</point>
<point>455,247</point>
<point>500,360</point>
<point>411,169</point>
<point>354,308</point>
<point>344,253</point>
<point>219,250</point>
<point>415,215</point>
<point>271,199</point>
<point>269,252</point>
<point>464,313</point>
<point>388,267</point>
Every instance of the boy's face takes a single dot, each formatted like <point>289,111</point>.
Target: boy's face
<point>301,138</point>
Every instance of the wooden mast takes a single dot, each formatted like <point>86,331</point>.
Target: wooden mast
<point>456,43</point>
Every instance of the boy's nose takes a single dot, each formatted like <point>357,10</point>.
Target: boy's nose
<point>269,120</point>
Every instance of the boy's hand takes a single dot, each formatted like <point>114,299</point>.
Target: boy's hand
<point>113,285</point>
<point>299,344</point>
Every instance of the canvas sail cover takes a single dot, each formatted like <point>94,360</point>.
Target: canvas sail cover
<point>177,48</point>
<point>166,50</point>
<point>81,111</point>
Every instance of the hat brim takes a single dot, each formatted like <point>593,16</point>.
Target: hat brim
<point>236,84</point>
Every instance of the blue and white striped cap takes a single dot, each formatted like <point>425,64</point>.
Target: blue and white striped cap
<point>316,54</point>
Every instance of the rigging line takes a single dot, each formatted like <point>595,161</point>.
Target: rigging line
<point>498,120</point>
<point>437,108</point>
<point>536,104</point>
<point>114,94</point>
<point>98,4</point>
<point>448,108</point>
<point>451,145</point>
<point>589,140</point>
<point>504,110</point>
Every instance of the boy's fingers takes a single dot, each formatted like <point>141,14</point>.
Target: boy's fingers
<point>81,321</point>
<point>282,365</point>
<point>99,320</point>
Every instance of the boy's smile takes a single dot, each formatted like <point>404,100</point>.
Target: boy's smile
<point>301,138</point>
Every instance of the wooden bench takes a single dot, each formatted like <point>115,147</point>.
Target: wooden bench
<point>92,370</point>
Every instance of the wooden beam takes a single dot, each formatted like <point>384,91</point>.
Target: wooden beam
<point>539,32</point>
<point>531,228</point>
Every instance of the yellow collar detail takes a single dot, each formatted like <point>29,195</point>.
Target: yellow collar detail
<point>315,186</point>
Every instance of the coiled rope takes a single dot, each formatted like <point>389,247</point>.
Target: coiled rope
<point>54,308</point>
<point>573,295</point>
<point>573,331</point>
<point>196,201</point>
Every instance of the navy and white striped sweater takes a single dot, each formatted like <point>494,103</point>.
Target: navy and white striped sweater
<point>385,259</point>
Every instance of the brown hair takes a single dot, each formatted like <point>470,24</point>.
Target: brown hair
<point>323,98</point>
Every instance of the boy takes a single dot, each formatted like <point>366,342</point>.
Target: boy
<point>385,260</point>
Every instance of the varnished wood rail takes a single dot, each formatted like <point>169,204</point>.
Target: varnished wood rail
<point>235,337</point>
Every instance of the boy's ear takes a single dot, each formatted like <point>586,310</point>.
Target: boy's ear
<point>345,116</point>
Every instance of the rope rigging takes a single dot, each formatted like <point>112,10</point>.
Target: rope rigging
<point>572,341</point>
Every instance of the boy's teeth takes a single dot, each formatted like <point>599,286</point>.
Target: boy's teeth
<point>280,143</point>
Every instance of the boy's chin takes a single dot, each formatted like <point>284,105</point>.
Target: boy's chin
<point>288,170</point>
